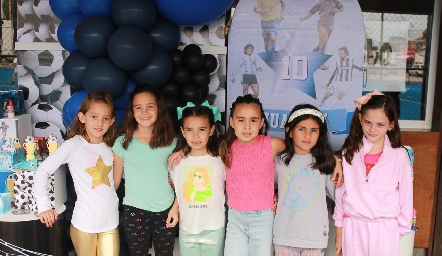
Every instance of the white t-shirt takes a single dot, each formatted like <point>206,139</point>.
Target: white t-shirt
<point>96,208</point>
<point>199,186</point>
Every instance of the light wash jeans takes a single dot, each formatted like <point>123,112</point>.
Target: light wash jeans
<point>249,233</point>
<point>206,243</point>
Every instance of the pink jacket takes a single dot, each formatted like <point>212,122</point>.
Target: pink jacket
<point>387,191</point>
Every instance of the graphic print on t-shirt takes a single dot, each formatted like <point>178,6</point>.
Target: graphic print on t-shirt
<point>302,189</point>
<point>197,188</point>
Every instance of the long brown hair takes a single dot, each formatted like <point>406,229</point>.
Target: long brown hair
<point>353,142</point>
<point>78,128</point>
<point>162,132</point>
<point>229,138</point>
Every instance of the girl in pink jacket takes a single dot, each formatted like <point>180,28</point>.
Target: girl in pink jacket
<point>374,206</point>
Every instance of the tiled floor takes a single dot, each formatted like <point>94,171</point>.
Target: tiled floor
<point>330,251</point>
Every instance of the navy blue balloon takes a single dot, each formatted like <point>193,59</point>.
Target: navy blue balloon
<point>73,69</point>
<point>64,8</point>
<point>119,116</point>
<point>96,7</point>
<point>138,13</point>
<point>165,34</point>
<point>66,118</point>
<point>103,76</point>
<point>123,101</point>
<point>66,31</point>
<point>192,12</point>
<point>92,35</point>
<point>129,48</point>
<point>157,72</point>
<point>75,102</point>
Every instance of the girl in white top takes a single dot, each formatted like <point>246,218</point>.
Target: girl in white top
<point>94,225</point>
<point>199,182</point>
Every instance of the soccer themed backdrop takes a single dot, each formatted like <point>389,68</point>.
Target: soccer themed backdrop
<point>287,52</point>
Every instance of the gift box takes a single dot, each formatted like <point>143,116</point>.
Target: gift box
<point>24,181</point>
<point>17,98</point>
<point>17,127</point>
<point>5,202</point>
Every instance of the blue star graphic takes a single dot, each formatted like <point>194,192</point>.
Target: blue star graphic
<point>294,69</point>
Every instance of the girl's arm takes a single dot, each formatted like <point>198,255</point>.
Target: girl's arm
<point>338,175</point>
<point>338,241</point>
<point>278,145</point>
<point>172,217</point>
<point>118,170</point>
<point>40,187</point>
<point>405,195</point>
<point>174,159</point>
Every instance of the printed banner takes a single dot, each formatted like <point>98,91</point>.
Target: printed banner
<point>288,52</point>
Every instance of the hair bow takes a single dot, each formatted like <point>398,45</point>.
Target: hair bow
<point>364,99</point>
<point>215,110</point>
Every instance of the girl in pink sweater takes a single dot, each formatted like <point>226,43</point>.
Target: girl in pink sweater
<point>374,206</point>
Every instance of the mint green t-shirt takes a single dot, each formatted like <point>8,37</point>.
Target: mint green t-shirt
<point>146,175</point>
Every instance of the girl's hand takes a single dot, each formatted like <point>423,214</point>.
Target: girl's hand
<point>174,159</point>
<point>172,217</point>
<point>338,241</point>
<point>48,217</point>
<point>338,175</point>
<point>275,204</point>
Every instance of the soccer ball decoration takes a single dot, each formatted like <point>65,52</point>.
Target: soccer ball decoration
<point>30,82</point>
<point>44,112</point>
<point>43,11</point>
<point>49,84</point>
<point>26,10</point>
<point>48,63</point>
<point>44,129</point>
<point>59,97</point>
<point>216,31</point>
<point>41,30</point>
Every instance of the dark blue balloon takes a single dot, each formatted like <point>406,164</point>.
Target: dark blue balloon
<point>192,12</point>
<point>96,7</point>
<point>73,69</point>
<point>165,34</point>
<point>66,30</point>
<point>123,101</point>
<point>119,116</point>
<point>129,48</point>
<point>75,102</point>
<point>103,76</point>
<point>64,8</point>
<point>66,118</point>
<point>157,72</point>
<point>138,13</point>
<point>92,35</point>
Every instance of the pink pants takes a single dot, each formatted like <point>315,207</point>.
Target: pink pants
<point>365,237</point>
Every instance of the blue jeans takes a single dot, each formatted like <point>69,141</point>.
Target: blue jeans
<point>249,233</point>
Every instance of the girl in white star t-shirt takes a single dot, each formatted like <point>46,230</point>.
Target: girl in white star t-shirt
<point>88,153</point>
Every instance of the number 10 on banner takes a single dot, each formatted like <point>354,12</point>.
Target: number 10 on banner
<point>297,69</point>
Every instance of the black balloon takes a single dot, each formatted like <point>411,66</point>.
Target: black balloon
<point>171,103</point>
<point>190,92</point>
<point>165,34</point>
<point>177,56</point>
<point>210,63</point>
<point>73,69</point>
<point>138,13</point>
<point>181,75</point>
<point>157,71</point>
<point>201,78</point>
<point>204,91</point>
<point>102,75</point>
<point>192,47</point>
<point>193,60</point>
<point>92,35</point>
<point>171,88</point>
<point>130,48</point>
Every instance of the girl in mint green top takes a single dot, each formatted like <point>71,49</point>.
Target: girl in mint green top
<point>146,140</point>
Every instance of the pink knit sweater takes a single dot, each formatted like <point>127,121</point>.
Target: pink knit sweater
<point>250,180</point>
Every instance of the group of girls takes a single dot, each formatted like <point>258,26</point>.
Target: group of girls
<point>374,203</point>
